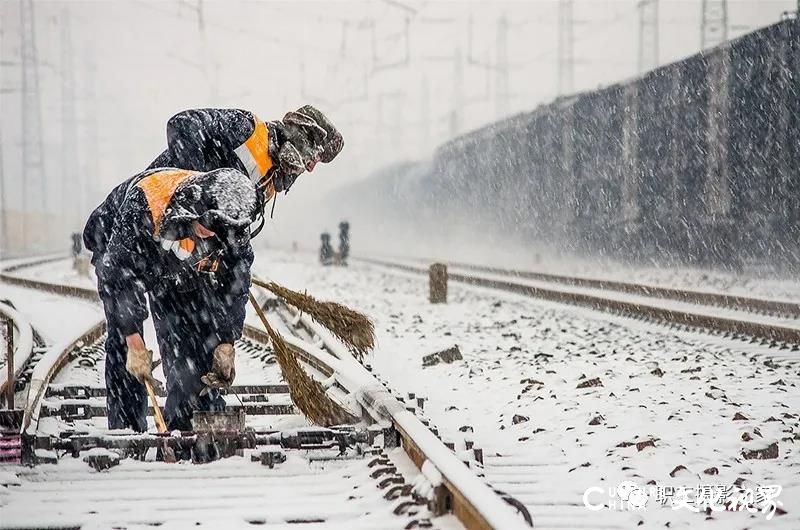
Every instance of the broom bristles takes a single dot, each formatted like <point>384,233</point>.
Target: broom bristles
<point>354,329</point>
<point>306,393</point>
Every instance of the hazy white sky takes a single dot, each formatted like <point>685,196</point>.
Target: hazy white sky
<point>385,71</point>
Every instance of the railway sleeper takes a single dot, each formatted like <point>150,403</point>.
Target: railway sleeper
<point>74,411</point>
<point>85,392</point>
<point>202,446</point>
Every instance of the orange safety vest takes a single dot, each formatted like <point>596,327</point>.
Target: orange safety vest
<point>254,154</point>
<point>158,188</point>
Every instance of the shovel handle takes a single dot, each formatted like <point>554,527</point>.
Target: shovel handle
<point>161,425</point>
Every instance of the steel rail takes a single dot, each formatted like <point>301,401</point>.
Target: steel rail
<point>681,295</point>
<point>461,492</point>
<point>760,330</point>
<point>23,346</point>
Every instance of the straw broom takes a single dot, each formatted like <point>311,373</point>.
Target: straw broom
<point>354,329</point>
<point>306,393</point>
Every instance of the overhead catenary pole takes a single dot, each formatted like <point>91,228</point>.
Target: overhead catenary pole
<point>4,243</point>
<point>502,68</point>
<point>209,66</point>
<point>69,149</point>
<point>714,32</point>
<point>566,47</point>
<point>458,94</point>
<point>648,35</point>
<point>424,119</point>
<point>33,174</point>
<point>714,23</point>
<point>93,147</point>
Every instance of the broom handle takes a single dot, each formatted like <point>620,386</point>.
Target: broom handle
<point>259,311</point>
<point>161,425</point>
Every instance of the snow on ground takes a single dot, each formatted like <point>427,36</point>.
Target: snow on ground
<point>668,399</point>
<point>526,358</point>
<point>230,493</point>
<point>55,317</point>
<point>61,271</point>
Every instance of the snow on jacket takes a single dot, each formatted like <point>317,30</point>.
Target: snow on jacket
<point>131,260</point>
<point>208,139</point>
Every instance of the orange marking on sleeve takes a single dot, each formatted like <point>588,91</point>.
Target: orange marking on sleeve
<point>187,245</point>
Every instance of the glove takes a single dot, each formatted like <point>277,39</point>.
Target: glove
<point>223,368</point>
<point>140,364</point>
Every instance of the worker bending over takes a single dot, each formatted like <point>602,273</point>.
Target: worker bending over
<point>273,154</point>
<point>180,238</point>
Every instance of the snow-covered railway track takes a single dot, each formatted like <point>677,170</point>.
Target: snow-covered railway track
<point>779,308</point>
<point>336,470</point>
<point>775,324</point>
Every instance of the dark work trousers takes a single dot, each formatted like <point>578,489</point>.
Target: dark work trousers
<point>186,340</point>
<point>126,396</point>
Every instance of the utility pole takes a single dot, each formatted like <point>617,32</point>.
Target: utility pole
<point>4,242</point>
<point>33,175</point>
<point>714,34</point>
<point>425,113</point>
<point>714,23</point>
<point>458,94</point>
<point>502,68</point>
<point>389,134</point>
<point>93,151</point>
<point>70,180</point>
<point>648,35</point>
<point>207,66</point>
<point>566,49</point>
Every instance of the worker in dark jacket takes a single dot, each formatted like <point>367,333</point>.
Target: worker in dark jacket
<point>273,154</point>
<point>182,239</point>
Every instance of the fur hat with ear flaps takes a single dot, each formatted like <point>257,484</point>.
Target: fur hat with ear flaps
<point>319,129</point>
<point>223,201</point>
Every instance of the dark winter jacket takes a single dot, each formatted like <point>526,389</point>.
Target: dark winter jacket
<point>208,139</point>
<point>131,260</point>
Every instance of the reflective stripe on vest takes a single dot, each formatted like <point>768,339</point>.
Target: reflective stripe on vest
<point>158,189</point>
<point>254,152</point>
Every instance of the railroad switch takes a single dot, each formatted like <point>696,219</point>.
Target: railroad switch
<point>391,437</point>
<point>10,448</point>
<point>201,446</point>
<point>269,457</point>
<point>102,460</point>
<point>419,523</point>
